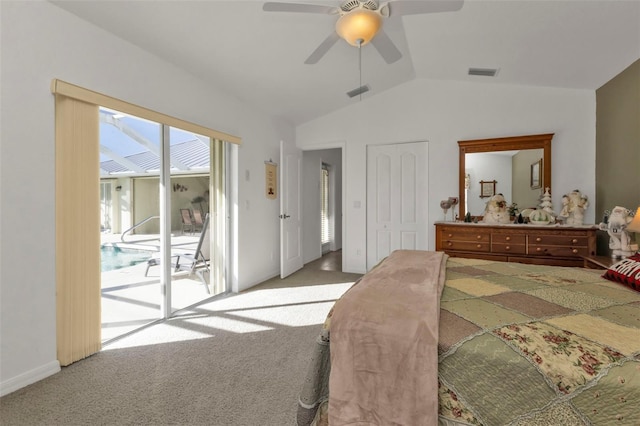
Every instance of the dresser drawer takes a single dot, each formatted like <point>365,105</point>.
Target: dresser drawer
<point>508,248</point>
<point>559,240</point>
<point>480,235</point>
<point>560,251</point>
<point>467,246</point>
<point>508,238</point>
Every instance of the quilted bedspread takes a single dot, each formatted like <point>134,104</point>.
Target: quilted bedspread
<point>537,345</point>
<point>523,345</point>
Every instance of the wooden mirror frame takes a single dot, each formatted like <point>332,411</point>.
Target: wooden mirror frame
<point>513,143</point>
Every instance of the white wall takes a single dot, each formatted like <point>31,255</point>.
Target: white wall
<point>443,113</point>
<point>41,42</point>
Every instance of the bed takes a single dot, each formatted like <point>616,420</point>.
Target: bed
<point>518,344</point>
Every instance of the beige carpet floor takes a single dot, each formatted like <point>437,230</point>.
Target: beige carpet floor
<point>238,360</point>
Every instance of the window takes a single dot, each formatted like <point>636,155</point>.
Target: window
<point>325,237</point>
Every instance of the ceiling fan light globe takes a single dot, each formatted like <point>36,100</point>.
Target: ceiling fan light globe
<point>359,26</point>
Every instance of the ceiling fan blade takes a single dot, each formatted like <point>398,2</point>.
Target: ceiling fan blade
<point>385,47</point>
<point>299,7</point>
<point>322,49</point>
<point>409,7</point>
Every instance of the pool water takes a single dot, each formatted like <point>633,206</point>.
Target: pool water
<point>112,257</point>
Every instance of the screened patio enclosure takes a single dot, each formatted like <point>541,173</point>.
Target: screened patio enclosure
<point>130,154</point>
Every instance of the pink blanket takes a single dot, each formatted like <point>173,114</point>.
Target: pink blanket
<point>384,339</point>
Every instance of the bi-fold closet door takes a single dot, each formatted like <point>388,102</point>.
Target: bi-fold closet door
<point>396,199</point>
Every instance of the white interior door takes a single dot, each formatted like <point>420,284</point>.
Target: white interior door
<point>396,199</point>
<point>290,209</point>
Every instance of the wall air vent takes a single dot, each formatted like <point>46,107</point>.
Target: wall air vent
<point>485,72</point>
<point>359,91</point>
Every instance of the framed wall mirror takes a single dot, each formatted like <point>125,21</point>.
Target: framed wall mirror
<point>508,161</point>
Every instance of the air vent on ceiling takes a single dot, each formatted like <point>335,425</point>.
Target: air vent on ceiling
<point>485,72</point>
<point>359,91</point>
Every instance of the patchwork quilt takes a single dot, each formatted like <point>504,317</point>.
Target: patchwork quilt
<point>537,345</point>
<point>523,345</point>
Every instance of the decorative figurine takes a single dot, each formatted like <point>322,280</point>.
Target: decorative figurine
<point>546,204</point>
<point>616,227</point>
<point>496,210</point>
<point>573,206</point>
<point>540,217</point>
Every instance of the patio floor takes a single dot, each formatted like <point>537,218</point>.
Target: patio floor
<point>130,300</point>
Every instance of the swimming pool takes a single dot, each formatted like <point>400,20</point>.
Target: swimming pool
<point>112,257</point>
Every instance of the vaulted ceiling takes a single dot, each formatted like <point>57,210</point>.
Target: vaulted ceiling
<point>259,56</point>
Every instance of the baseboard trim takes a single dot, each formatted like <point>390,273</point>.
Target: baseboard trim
<point>29,377</point>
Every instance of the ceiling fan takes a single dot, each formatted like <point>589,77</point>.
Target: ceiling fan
<point>360,21</point>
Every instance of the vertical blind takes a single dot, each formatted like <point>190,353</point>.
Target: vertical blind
<point>78,318</point>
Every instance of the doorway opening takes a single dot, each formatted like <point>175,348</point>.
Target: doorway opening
<point>322,201</point>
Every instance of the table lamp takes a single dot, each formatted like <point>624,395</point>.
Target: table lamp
<point>634,226</point>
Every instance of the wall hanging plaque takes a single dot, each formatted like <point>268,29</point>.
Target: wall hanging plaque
<point>271,179</point>
<point>487,188</point>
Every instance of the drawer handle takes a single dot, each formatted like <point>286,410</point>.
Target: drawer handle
<point>574,251</point>
<point>479,246</point>
<point>507,248</point>
<point>479,237</point>
<point>508,238</point>
<point>538,239</point>
<point>449,243</point>
<point>574,241</point>
<point>450,235</point>
<point>539,249</point>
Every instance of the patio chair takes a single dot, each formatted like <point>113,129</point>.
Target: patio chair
<point>196,262</point>
<point>197,220</point>
<point>187,222</point>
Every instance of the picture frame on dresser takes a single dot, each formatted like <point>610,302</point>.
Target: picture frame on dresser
<point>536,182</point>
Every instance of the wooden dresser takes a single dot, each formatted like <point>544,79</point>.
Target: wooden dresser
<point>558,245</point>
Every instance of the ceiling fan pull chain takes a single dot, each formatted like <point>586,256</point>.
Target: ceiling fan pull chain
<point>360,65</point>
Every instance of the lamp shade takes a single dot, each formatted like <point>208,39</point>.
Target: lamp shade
<point>634,226</point>
<point>359,26</point>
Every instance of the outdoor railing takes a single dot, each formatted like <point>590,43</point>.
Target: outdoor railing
<point>134,227</point>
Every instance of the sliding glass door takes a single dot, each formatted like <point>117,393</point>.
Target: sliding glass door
<point>163,250</point>
<point>137,160</point>
<point>196,178</point>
